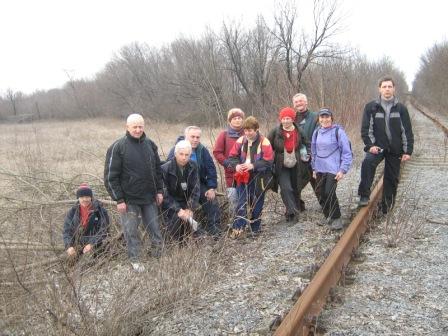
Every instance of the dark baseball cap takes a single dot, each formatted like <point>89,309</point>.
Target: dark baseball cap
<point>325,111</point>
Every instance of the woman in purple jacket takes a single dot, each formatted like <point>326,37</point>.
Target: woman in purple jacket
<point>331,158</point>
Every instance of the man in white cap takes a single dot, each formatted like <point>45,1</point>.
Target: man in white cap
<point>133,178</point>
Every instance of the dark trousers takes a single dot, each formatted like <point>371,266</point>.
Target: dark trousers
<point>391,177</point>
<point>177,228</point>
<point>288,191</point>
<point>326,186</point>
<point>212,212</point>
<point>250,206</point>
<point>305,176</point>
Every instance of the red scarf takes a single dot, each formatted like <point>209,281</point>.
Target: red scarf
<point>84,214</point>
<point>290,139</point>
<point>242,177</point>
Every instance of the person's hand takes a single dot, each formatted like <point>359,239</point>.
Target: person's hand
<point>210,194</point>
<point>71,251</point>
<point>405,157</point>
<point>121,207</point>
<point>249,166</point>
<point>374,149</point>
<point>181,214</point>
<point>339,176</point>
<point>159,199</point>
<point>87,248</point>
<point>239,168</point>
<point>314,175</point>
<point>188,214</point>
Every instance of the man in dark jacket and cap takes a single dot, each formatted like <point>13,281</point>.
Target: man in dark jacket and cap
<point>86,224</point>
<point>133,178</point>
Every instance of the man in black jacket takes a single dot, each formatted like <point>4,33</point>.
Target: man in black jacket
<point>207,177</point>
<point>181,191</point>
<point>133,178</point>
<point>387,134</point>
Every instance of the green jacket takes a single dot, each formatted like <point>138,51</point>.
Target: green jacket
<point>307,127</point>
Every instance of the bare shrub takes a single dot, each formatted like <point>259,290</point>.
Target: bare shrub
<point>402,223</point>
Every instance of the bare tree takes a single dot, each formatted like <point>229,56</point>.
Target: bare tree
<point>298,50</point>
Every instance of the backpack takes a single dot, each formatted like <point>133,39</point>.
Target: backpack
<point>337,139</point>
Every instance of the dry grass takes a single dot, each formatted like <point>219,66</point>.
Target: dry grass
<point>42,163</point>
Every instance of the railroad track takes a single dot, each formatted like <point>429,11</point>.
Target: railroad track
<point>301,318</point>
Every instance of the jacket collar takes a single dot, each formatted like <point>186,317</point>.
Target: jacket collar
<point>131,138</point>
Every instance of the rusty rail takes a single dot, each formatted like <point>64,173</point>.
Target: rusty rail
<point>430,116</point>
<point>310,303</point>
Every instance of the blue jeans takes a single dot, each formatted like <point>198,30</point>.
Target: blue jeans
<point>130,221</point>
<point>250,206</point>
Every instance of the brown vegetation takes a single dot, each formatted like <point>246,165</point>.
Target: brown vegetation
<point>197,80</point>
<point>431,82</point>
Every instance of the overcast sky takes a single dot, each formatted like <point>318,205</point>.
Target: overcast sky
<point>45,41</point>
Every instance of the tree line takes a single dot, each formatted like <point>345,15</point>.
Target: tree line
<point>197,80</point>
<point>430,86</point>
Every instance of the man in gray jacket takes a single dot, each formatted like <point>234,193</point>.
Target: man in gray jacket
<point>387,134</point>
<point>133,178</point>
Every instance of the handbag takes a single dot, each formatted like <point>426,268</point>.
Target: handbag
<point>289,159</point>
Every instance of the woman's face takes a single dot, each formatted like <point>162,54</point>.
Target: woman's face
<point>325,121</point>
<point>236,122</point>
<point>286,122</point>
<point>250,133</point>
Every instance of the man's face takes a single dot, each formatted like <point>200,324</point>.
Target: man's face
<point>136,128</point>
<point>387,90</point>
<point>250,133</point>
<point>300,104</point>
<point>85,200</point>
<point>182,157</point>
<point>194,137</point>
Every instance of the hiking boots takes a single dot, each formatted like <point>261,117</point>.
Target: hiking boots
<point>363,201</point>
<point>336,224</point>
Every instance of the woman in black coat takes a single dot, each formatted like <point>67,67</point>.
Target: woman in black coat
<point>286,141</point>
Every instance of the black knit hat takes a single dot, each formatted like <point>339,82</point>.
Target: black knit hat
<point>84,190</point>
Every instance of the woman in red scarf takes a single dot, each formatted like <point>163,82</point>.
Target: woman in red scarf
<point>286,141</point>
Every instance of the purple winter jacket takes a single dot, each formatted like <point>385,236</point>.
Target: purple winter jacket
<point>328,155</point>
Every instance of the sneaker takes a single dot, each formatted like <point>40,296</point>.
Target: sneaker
<point>336,224</point>
<point>363,201</point>
<point>139,268</point>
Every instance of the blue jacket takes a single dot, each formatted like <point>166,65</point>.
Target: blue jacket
<point>329,154</point>
<point>207,169</point>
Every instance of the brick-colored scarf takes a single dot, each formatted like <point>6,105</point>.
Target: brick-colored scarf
<point>84,214</point>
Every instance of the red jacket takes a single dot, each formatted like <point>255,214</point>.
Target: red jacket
<point>224,143</point>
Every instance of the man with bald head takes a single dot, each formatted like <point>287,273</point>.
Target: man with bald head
<point>133,178</point>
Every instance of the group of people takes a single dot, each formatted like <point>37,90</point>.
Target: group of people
<point>305,147</point>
